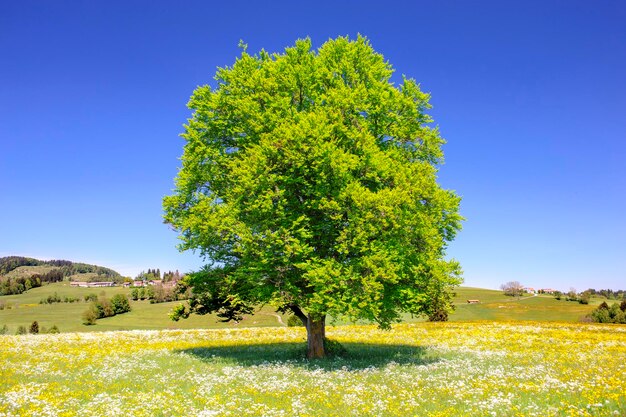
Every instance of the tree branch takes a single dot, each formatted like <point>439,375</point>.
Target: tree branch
<point>298,313</point>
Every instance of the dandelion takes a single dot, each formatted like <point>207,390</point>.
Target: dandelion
<point>431,369</point>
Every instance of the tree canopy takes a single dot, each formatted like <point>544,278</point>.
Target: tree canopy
<point>309,181</point>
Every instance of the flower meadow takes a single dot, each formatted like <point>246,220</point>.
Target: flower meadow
<point>423,369</point>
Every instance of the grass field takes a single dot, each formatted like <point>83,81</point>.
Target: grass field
<point>25,309</point>
<point>496,306</point>
<point>67,317</point>
<point>418,369</point>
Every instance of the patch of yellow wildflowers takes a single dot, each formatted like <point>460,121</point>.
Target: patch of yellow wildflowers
<point>426,369</point>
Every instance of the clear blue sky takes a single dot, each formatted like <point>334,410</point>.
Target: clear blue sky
<point>531,97</point>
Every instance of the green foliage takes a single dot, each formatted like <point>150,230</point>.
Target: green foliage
<point>104,307</point>
<point>9,263</point>
<point>310,180</point>
<point>91,297</point>
<point>294,321</point>
<point>54,329</point>
<point>4,329</point>
<point>162,294</point>
<point>90,315</point>
<point>612,314</point>
<point>120,304</point>
<point>51,299</point>
<point>19,274</point>
<point>21,330</point>
<point>178,312</point>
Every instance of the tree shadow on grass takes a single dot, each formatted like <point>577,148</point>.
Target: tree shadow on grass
<point>353,356</point>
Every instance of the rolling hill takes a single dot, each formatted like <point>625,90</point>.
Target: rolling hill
<point>19,274</point>
<point>23,309</point>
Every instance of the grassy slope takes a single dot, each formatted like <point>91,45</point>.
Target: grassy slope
<point>496,306</point>
<point>67,316</point>
<point>27,271</point>
<point>26,309</point>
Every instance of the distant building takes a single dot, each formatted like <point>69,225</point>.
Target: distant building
<point>92,284</point>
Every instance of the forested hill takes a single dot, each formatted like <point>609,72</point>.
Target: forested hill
<point>19,274</point>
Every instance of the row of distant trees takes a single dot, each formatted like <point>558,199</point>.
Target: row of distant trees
<point>33,329</point>
<point>17,285</point>
<point>155,274</point>
<point>67,268</point>
<point>514,288</point>
<point>161,293</point>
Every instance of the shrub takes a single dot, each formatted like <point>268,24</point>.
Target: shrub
<point>21,330</point>
<point>90,315</point>
<point>513,289</point>
<point>622,306</point>
<point>104,308</point>
<point>4,329</point>
<point>606,314</point>
<point>34,328</point>
<point>54,329</point>
<point>294,321</point>
<point>91,297</point>
<point>120,304</point>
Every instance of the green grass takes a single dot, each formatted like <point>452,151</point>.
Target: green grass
<point>420,369</point>
<point>67,317</point>
<point>25,309</point>
<point>494,305</point>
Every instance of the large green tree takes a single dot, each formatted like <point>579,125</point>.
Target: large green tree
<point>309,180</point>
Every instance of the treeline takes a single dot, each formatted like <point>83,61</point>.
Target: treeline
<point>33,329</point>
<point>67,268</point>
<point>62,269</point>
<point>155,274</point>
<point>585,296</point>
<point>17,285</point>
<point>160,293</point>
<point>608,294</point>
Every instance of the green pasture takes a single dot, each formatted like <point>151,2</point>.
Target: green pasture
<point>494,305</point>
<point>25,308</point>
<point>496,369</point>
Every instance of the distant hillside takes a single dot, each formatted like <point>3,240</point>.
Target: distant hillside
<point>19,274</point>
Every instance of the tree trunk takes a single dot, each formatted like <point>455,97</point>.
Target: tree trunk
<point>316,333</point>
